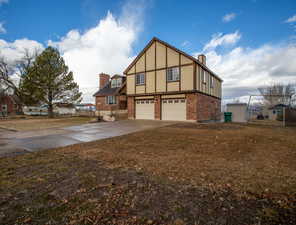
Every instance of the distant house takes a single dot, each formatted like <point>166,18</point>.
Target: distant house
<point>276,112</point>
<point>239,112</point>
<point>85,107</point>
<point>111,97</point>
<point>42,110</point>
<point>35,110</point>
<point>9,105</point>
<point>64,108</point>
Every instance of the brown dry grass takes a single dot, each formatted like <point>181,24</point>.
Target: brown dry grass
<point>246,158</point>
<point>143,178</point>
<point>41,123</point>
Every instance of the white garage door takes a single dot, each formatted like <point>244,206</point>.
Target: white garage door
<point>173,109</point>
<point>145,109</point>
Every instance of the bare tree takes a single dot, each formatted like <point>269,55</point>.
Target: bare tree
<point>277,93</point>
<point>12,74</point>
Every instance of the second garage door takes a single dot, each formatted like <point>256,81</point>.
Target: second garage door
<point>173,109</point>
<point>145,109</point>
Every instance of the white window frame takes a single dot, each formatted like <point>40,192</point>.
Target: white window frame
<point>204,77</point>
<point>173,74</point>
<point>140,79</point>
<point>110,99</point>
<point>119,82</point>
<point>113,83</point>
<point>116,83</point>
<point>211,81</point>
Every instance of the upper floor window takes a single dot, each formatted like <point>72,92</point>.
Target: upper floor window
<point>140,79</point>
<point>173,74</point>
<point>116,82</point>
<point>211,81</point>
<point>203,76</point>
<point>111,100</point>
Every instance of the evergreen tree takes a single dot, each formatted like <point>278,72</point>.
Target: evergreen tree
<point>48,80</point>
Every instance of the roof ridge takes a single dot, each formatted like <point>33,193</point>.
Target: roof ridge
<point>174,48</point>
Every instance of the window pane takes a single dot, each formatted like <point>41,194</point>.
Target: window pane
<point>140,78</point>
<point>113,83</point>
<point>173,74</point>
<point>118,82</point>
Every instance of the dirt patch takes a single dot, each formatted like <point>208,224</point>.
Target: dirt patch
<point>69,190</point>
<point>209,126</point>
<point>168,175</point>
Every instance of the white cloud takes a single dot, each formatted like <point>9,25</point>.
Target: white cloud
<point>2,29</point>
<point>3,1</point>
<point>107,47</point>
<point>222,40</point>
<point>228,17</point>
<point>13,51</point>
<point>245,69</point>
<point>292,19</point>
<point>185,43</point>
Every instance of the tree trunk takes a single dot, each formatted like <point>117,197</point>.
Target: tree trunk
<point>50,110</point>
<point>50,107</point>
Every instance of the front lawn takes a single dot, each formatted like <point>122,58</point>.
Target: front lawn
<point>36,123</point>
<point>180,174</point>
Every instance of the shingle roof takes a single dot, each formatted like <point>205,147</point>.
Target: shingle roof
<point>107,90</point>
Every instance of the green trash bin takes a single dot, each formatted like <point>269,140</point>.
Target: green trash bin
<point>227,117</point>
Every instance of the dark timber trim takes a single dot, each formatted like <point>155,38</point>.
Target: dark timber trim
<point>163,68</point>
<point>194,76</point>
<point>166,66</point>
<point>180,79</point>
<point>135,76</point>
<point>174,92</point>
<point>145,71</point>
<point>177,50</point>
<point>155,77</point>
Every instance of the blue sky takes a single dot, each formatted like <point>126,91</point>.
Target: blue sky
<point>233,31</point>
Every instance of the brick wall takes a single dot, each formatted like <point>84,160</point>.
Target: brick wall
<point>157,107</point>
<point>200,107</point>
<point>104,79</point>
<point>191,106</point>
<point>131,107</point>
<point>10,106</point>
<point>208,108</point>
<point>120,103</point>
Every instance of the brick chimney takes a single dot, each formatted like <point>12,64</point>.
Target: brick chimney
<point>202,59</point>
<point>104,79</point>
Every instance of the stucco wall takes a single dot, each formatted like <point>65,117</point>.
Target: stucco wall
<point>158,57</point>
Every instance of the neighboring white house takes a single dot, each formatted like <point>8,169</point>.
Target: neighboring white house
<point>35,110</point>
<point>64,109</point>
<point>58,108</point>
<point>239,112</point>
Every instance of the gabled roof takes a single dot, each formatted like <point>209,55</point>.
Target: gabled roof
<point>174,48</point>
<point>117,76</point>
<point>107,90</point>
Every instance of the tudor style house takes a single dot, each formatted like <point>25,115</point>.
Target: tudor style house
<point>164,83</point>
<point>111,97</point>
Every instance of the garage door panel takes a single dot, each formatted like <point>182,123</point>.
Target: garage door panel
<point>174,109</point>
<point>145,109</point>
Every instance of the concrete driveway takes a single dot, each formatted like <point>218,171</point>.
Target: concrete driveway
<point>13,143</point>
